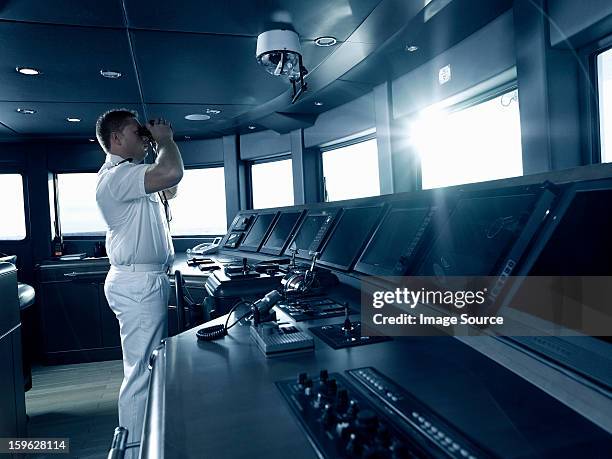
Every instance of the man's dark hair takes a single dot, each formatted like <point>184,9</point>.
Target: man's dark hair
<point>112,121</point>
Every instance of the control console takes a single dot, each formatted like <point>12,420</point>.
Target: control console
<point>301,309</point>
<point>338,336</point>
<point>278,339</point>
<point>366,415</point>
<point>345,334</point>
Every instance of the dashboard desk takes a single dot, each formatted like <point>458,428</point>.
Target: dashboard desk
<point>219,399</point>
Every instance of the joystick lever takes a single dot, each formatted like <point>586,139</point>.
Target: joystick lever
<point>347,326</point>
<point>313,264</point>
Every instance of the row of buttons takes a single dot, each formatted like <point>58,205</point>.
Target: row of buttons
<point>440,437</point>
<point>374,382</point>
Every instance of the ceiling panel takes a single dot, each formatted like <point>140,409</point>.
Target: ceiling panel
<point>50,117</point>
<point>310,19</point>
<point>449,26</point>
<point>191,55</point>
<point>210,69</point>
<point>107,13</point>
<point>70,58</point>
<point>337,93</point>
<point>176,114</point>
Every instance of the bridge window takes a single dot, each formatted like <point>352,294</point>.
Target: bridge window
<point>479,143</point>
<point>604,78</point>
<point>199,206</point>
<point>12,208</point>
<point>272,184</point>
<point>351,171</point>
<point>78,212</point>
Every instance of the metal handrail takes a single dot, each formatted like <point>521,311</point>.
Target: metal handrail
<point>119,444</point>
<point>153,429</point>
<point>180,302</point>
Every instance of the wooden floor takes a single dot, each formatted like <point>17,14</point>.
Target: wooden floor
<point>78,402</point>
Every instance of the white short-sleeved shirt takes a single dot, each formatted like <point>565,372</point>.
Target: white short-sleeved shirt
<point>137,231</point>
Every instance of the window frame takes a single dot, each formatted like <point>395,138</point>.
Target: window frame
<point>198,237</point>
<point>347,143</point>
<point>57,221</point>
<point>26,207</point>
<point>264,160</point>
<point>590,118</point>
<point>470,102</point>
<point>335,145</point>
<point>58,210</point>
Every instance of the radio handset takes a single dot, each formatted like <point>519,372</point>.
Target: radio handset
<point>206,247</point>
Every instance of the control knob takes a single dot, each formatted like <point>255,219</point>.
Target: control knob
<point>329,417</point>
<point>342,401</point>
<point>367,421</point>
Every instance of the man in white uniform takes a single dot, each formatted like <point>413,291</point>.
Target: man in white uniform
<point>139,246</point>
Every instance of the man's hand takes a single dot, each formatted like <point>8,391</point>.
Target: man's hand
<point>167,170</point>
<point>161,130</point>
<point>170,193</point>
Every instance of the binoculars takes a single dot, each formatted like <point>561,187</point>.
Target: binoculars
<point>144,132</point>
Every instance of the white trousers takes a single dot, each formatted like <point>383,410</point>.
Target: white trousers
<point>140,302</point>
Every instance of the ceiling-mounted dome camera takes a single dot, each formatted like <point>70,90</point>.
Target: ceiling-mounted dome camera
<point>280,53</point>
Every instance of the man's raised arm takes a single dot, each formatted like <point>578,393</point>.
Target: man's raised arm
<point>167,171</point>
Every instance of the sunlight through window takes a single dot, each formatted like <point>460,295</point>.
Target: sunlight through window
<point>479,143</point>
<point>272,184</point>
<point>78,211</point>
<point>604,78</point>
<point>199,207</point>
<point>12,208</point>
<point>352,171</point>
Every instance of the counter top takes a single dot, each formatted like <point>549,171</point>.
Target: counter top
<point>218,399</point>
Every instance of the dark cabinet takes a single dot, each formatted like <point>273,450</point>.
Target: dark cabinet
<point>71,316</point>
<point>76,322</point>
<point>12,399</point>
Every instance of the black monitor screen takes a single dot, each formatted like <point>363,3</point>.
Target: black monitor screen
<point>312,232</point>
<point>478,235</point>
<point>350,236</point>
<point>396,240</point>
<point>282,230</point>
<point>258,230</point>
<point>581,244</point>
<point>309,229</point>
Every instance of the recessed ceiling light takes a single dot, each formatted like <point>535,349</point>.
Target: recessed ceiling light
<point>197,117</point>
<point>26,111</point>
<point>411,48</point>
<point>318,104</point>
<point>92,140</point>
<point>325,41</point>
<point>251,127</point>
<point>74,120</point>
<point>28,71</point>
<point>113,75</point>
<point>212,111</point>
